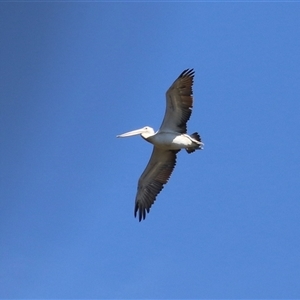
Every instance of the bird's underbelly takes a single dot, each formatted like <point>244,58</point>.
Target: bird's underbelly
<point>168,140</point>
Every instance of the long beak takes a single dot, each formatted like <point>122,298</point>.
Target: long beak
<point>131,133</point>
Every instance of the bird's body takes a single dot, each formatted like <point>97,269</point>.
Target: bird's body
<point>168,141</point>
<point>172,140</point>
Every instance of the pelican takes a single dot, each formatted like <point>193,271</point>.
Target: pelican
<point>168,141</point>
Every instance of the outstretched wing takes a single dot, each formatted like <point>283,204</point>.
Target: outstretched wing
<point>151,182</point>
<point>179,103</point>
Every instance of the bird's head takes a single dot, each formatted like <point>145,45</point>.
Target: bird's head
<point>145,132</point>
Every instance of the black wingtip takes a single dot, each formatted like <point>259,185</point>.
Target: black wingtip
<point>187,73</point>
<point>142,212</point>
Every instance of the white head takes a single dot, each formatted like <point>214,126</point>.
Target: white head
<point>145,132</point>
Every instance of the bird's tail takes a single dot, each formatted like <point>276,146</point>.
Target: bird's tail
<point>196,146</point>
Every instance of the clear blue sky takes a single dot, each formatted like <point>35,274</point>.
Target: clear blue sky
<point>74,75</point>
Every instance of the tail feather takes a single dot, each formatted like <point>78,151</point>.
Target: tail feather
<point>196,137</point>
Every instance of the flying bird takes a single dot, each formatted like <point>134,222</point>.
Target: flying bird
<point>168,141</point>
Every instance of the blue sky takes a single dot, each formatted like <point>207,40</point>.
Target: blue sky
<point>74,75</point>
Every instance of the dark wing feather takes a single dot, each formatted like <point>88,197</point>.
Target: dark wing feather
<point>179,103</point>
<point>151,182</point>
